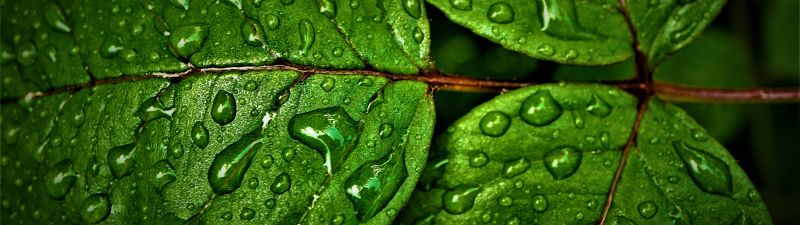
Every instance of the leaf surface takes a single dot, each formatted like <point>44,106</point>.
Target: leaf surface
<point>156,152</point>
<point>499,165</point>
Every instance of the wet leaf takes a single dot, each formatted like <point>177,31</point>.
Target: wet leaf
<point>560,171</point>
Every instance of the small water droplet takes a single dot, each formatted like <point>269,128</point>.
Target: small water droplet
<point>250,85</point>
<point>365,81</point>
<point>591,204</point>
<point>111,46</point>
<point>461,4</point>
<point>478,159</point>
<point>327,8</point>
<point>200,135</point>
<point>599,107</point>
<point>540,109</point>
<point>187,40</point>
<point>546,49</point>
<point>515,167</point>
<point>181,3</point>
<point>710,173</point>
<point>223,107</point>
<point>121,160</point>
<point>327,84</point>
<point>229,166</point>
<point>418,35</point>
<point>505,201</point>
<point>648,209</point>
<point>250,33</point>
<point>753,195</point>
<point>570,54</point>
<point>500,12</point>
<point>654,140</point>
<point>673,179</point>
<point>270,203</point>
<point>267,161</point>
<point>495,123</point>
<point>288,154</point>
<point>273,22</point>
<point>539,203</point>
<point>699,135</point>
<point>563,162</point>
<point>385,130</point>
<point>95,208</point>
<point>252,183</point>
<point>161,174</point>
<point>306,35</point>
<point>227,216</point>
<point>459,200</point>
<point>281,184</point>
<point>247,214</point>
<point>679,34</point>
<point>60,179</point>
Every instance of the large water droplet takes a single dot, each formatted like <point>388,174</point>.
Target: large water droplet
<point>500,12</point>
<point>539,203</point>
<point>151,109</point>
<point>598,107</point>
<point>495,123</point>
<point>515,167</point>
<point>95,208</point>
<point>558,18</point>
<point>229,166</point>
<point>385,130</point>
<point>200,135</point>
<point>55,18</point>
<point>413,8</point>
<point>60,179</point>
<point>327,8</point>
<point>281,184</point>
<point>710,173</point>
<point>223,108</point>
<point>374,184</point>
<point>161,174</point>
<point>187,40</point>
<point>121,160</point>
<point>306,35</point>
<point>540,109</point>
<point>459,200</point>
<point>562,162</point>
<point>648,209</point>
<point>250,33</point>
<point>461,4</point>
<point>478,159</point>
<point>329,131</point>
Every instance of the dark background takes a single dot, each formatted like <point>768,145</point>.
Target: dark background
<point>751,43</point>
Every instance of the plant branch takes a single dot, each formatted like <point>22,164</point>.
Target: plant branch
<point>681,93</point>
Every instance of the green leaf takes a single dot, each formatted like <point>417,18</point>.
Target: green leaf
<point>272,149</point>
<point>55,44</point>
<point>565,31</point>
<point>664,27</point>
<point>559,169</point>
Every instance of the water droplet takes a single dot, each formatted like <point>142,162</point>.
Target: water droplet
<point>272,21</point>
<point>540,203</point>
<point>327,8</point>
<point>558,18</point>
<point>200,135</point>
<point>55,18</point>
<point>223,108</point>
<point>540,109</point>
<point>753,195</point>
<point>306,35</point>
<point>413,8</point>
<point>181,3</point>
<point>247,214</point>
<point>26,54</point>
<point>654,140</point>
<point>128,55</point>
<point>121,160</point>
<point>270,203</point>
<point>229,166</point>
<point>385,130</point>
<point>591,204</point>
<point>187,40</point>
<point>459,200</point>
<point>418,35</point>
<point>281,184</point>
<point>570,54</point>
<point>151,109</point>
<point>161,174</point>
<point>95,208</point>
<point>250,85</point>
<point>267,162</point>
<point>372,185</point>
<point>111,47</point>
<point>599,107</point>
<point>227,216</point>
<point>461,4</point>
<point>235,3</point>
<point>250,33</point>
<point>699,135</point>
<point>563,162</point>
<point>500,12</point>
<point>337,220</point>
<point>710,173</point>
<point>478,159</point>
<point>495,123</point>
<point>624,221</point>
<point>546,50</point>
<point>680,34</point>
<point>648,209</point>
<point>288,154</point>
<point>327,84</point>
<point>329,131</point>
<point>673,179</point>
<point>60,179</point>
<point>515,167</point>
<point>365,81</point>
<point>337,51</point>
<point>505,201</point>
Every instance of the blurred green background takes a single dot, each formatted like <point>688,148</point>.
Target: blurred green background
<point>751,43</point>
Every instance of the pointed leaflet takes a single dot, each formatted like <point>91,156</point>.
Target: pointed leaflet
<point>572,166</point>
<point>99,147</point>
